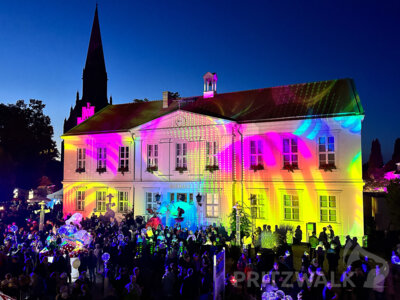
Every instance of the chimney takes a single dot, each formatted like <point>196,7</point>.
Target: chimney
<point>210,85</point>
<point>166,99</point>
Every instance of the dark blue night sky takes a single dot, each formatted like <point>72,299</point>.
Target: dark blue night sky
<point>151,46</point>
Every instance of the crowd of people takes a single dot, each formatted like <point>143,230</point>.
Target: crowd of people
<point>176,263</point>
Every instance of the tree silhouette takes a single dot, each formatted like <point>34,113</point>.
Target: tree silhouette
<point>396,151</point>
<point>173,95</point>
<point>393,201</point>
<point>245,224</point>
<point>375,162</point>
<point>391,164</point>
<point>26,146</point>
<point>140,100</point>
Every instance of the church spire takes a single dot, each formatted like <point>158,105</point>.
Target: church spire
<point>94,73</point>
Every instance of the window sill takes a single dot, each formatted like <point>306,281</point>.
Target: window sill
<point>152,169</point>
<point>330,222</point>
<point>328,171</point>
<point>257,168</point>
<point>101,170</point>
<point>124,172</point>
<point>291,170</point>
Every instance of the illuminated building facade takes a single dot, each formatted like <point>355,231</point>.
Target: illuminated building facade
<point>288,155</point>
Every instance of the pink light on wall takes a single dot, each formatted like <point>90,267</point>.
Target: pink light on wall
<point>209,94</point>
<point>87,112</point>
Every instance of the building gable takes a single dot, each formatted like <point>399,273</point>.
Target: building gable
<point>180,119</point>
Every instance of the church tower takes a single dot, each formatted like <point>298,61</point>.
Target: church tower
<point>94,73</point>
<point>94,88</point>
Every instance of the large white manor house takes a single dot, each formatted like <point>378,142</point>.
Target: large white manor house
<point>288,155</point>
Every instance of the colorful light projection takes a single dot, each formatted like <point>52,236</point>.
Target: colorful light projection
<point>87,112</point>
<point>170,214</point>
<point>234,180</point>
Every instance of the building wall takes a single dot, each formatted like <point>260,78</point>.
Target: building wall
<point>235,181</point>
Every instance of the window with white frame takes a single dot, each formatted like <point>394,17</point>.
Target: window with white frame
<point>152,155</point>
<point>123,201</point>
<point>211,154</point>
<point>212,205</point>
<point>123,164</point>
<point>256,154</point>
<point>81,159</point>
<point>291,207</point>
<point>181,156</point>
<point>80,200</point>
<point>290,156</point>
<point>101,158</point>
<point>151,202</point>
<point>256,206</point>
<point>100,200</point>
<point>328,208</point>
<point>326,149</point>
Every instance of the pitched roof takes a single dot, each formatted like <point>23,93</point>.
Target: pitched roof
<point>306,100</point>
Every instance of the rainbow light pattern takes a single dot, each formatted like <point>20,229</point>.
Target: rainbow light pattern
<point>234,181</point>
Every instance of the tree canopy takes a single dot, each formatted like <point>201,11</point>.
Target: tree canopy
<point>245,224</point>
<point>27,148</point>
<point>391,164</point>
<point>140,100</point>
<point>393,201</point>
<point>173,95</point>
<point>375,162</point>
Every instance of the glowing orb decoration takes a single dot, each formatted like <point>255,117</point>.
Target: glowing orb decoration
<point>105,257</point>
<point>67,230</point>
<point>395,260</point>
<point>75,219</point>
<point>14,228</point>
<point>83,237</point>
